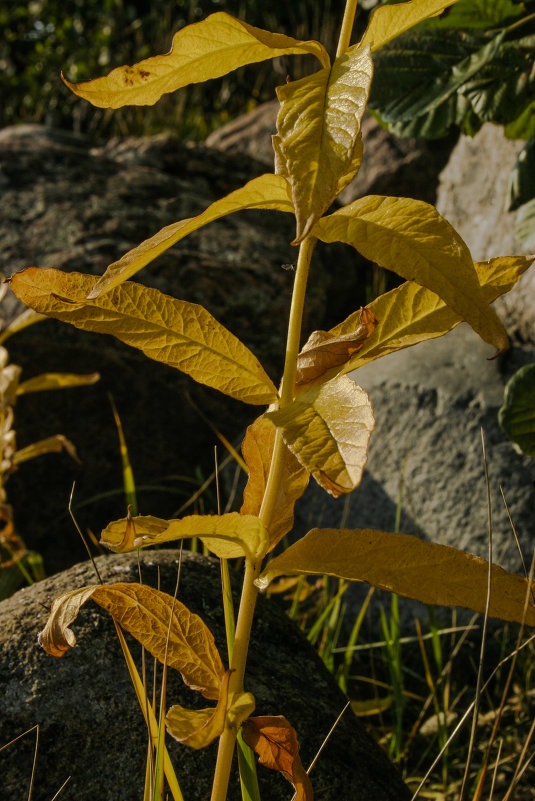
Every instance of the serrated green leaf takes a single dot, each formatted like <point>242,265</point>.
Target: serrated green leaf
<point>426,571</point>
<point>389,21</point>
<point>265,192</point>
<point>318,147</point>
<point>522,180</point>
<point>410,238</point>
<point>410,314</point>
<point>180,334</point>
<point>209,49</point>
<point>328,428</point>
<point>517,415</point>
<point>525,225</point>
<point>523,127</point>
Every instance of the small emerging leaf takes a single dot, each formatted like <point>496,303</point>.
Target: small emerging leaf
<point>274,740</point>
<point>426,571</point>
<point>56,381</point>
<point>328,428</point>
<point>54,444</point>
<point>199,727</point>
<point>389,21</point>
<point>265,192</point>
<point>410,313</point>
<point>257,449</point>
<point>318,147</point>
<point>208,49</point>
<point>180,334</point>
<point>517,415</point>
<point>144,612</point>
<point>410,238</point>
<point>323,353</point>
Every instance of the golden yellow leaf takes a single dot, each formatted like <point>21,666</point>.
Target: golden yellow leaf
<point>208,49</point>
<point>257,449</point>
<point>25,319</point>
<point>328,428</point>
<point>318,146</point>
<point>242,705</point>
<point>180,334</point>
<point>54,444</point>
<point>323,354</point>
<point>228,536</point>
<point>389,21</point>
<point>410,314</point>
<point>120,535</point>
<point>274,741</point>
<point>144,612</point>
<point>266,192</point>
<point>199,727</point>
<point>410,238</point>
<point>371,706</point>
<point>47,381</point>
<point>426,571</point>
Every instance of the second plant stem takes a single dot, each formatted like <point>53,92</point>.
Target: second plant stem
<point>267,510</point>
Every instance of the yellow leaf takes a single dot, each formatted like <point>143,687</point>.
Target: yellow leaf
<point>144,612</point>
<point>323,354</point>
<point>54,444</point>
<point>274,741</point>
<point>199,727</point>
<point>228,536</point>
<point>389,21</point>
<point>208,49</point>
<point>318,147</point>
<point>371,706</point>
<point>410,314</point>
<point>431,573</point>
<point>25,319</point>
<point>266,192</point>
<point>257,449</point>
<point>120,535</point>
<point>328,428</point>
<point>56,381</point>
<point>410,238</point>
<point>180,334</point>
<point>241,706</point>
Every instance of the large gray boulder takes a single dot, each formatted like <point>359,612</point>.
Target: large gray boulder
<point>91,727</point>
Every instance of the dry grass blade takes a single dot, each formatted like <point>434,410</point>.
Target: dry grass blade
<point>521,765</point>
<point>495,772</point>
<point>15,739</point>
<point>56,795</point>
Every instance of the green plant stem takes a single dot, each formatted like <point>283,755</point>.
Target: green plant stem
<point>347,27</point>
<point>252,570</point>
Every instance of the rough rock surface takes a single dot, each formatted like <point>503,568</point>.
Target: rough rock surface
<point>71,204</point>
<point>90,724</point>
<point>472,195</point>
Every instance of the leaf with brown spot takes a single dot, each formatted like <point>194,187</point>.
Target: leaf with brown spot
<point>144,612</point>
<point>274,741</point>
<point>257,449</point>
<point>323,354</point>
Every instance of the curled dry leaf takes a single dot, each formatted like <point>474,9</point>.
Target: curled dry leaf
<point>323,353</point>
<point>328,428</point>
<point>144,612</point>
<point>274,741</point>
<point>208,49</point>
<point>426,571</point>
<point>54,444</point>
<point>257,449</point>
<point>228,536</point>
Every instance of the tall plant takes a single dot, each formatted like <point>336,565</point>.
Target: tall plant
<point>320,421</point>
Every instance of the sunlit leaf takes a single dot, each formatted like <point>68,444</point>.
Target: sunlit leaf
<point>199,727</point>
<point>144,612</point>
<point>47,381</point>
<point>25,319</point>
<point>266,192</point>
<point>228,536</point>
<point>323,354</point>
<point>431,573</point>
<point>208,49</point>
<point>389,21</point>
<point>180,334</point>
<point>257,449</point>
<point>371,706</point>
<point>410,314</point>
<point>240,708</point>
<point>274,740</point>
<point>318,147</point>
<point>54,444</point>
<point>517,415</point>
<point>328,428</point>
<point>410,238</point>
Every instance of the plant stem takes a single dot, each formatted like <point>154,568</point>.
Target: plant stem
<point>347,27</point>
<point>252,570</point>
